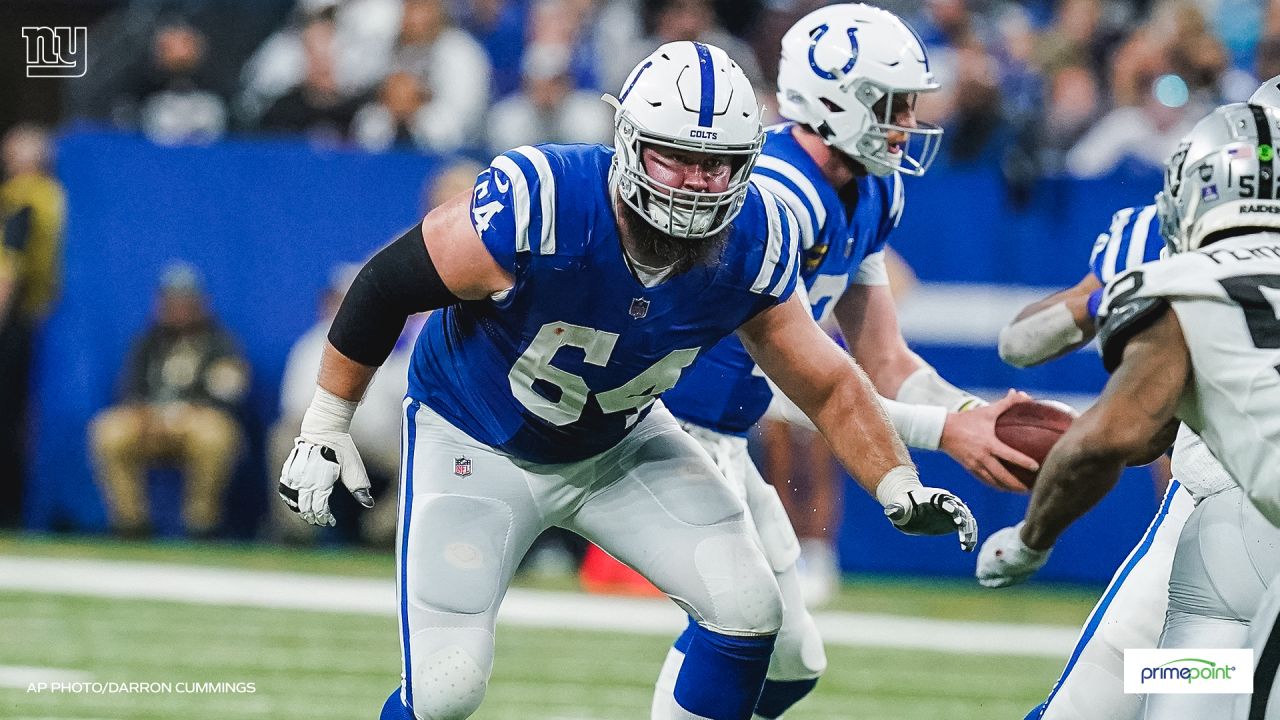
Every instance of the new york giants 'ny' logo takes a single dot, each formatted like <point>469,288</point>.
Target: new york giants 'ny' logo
<point>57,52</point>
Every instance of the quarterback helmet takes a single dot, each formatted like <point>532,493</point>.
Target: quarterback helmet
<point>691,97</point>
<point>842,67</point>
<point>1222,176</point>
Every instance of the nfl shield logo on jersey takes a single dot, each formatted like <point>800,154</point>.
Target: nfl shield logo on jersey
<point>462,466</point>
<point>639,308</point>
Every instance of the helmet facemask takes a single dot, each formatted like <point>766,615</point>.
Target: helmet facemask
<point>863,133</point>
<point>679,212</point>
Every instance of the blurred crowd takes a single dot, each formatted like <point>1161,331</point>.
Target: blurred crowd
<point>1037,87</point>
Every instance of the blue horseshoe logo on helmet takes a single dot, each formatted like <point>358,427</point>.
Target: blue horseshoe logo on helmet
<point>816,35</point>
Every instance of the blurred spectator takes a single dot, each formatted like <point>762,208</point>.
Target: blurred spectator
<point>549,109</point>
<point>1155,107</point>
<point>32,211</point>
<point>499,27</point>
<point>376,428</point>
<point>173,101</point>
<point>364,36</point>
<point>317,107</point>
<point>458,178</point>
<point>452,73</point>
<point>182,388</point>
<point>671,20</point>
<point>1074,101</point>
<point>399,118</point>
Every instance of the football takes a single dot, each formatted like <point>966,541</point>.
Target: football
<point>1032,427</point>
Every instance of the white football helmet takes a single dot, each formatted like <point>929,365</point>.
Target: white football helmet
<point>1222,176</point>
<point>692,97</point>
<point>1268,93</point>
<point>837,63</point>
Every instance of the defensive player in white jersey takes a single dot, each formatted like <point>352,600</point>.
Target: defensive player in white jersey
<point>1131,611</point>
<point>847,83</point>
<point>577,283</point>
<point>1193,338</point>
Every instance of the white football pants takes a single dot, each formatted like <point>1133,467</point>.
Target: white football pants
<point>1130,614</point>
<point>799,654</point>
<point>469,513</point>
<point>1227,556</point>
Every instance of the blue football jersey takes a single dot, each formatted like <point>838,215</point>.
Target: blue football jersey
<point>724,390</point>
<point>1133,239</point>
<point>561,366</point>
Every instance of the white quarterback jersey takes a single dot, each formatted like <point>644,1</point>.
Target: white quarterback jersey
<point>1227,299</point>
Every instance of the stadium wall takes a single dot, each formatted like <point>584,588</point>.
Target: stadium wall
<point>265,220</point>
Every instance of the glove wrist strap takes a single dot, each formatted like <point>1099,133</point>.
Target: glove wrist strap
<point>899,480</point>
<point>328,413</point>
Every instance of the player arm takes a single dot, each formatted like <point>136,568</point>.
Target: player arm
<point>929,406</point>
<point>1052,326</point>
<point>1131,423</point>
<point>830,388</point>
<point>437,263</point>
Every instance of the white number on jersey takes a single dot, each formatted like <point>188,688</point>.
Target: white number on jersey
<point>597,345</point>
<point>824,293</point>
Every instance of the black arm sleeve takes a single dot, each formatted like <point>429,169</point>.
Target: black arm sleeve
<point>1122,323</point>
<point>397,282</point>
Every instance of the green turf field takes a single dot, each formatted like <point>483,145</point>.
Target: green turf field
<point>331,665</point>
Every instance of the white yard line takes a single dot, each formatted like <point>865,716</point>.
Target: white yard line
<point>22,676</point>
<point>529,608</point>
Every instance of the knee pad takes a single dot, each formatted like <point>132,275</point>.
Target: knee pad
<point>744,595</point>
<point>450,672</point>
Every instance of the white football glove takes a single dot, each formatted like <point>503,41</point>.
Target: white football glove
<point>1005,560</point>
<point>918,510</point>
<point>322,454</point>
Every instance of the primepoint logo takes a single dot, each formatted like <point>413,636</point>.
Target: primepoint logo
<point>1188,670</point>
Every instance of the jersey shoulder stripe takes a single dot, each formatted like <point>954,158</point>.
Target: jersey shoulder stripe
<point>546,182</point>
<point>778,265</point>
<point>533,191</point>
<point>1132,239</point>
<point>797,190</point>
<point>799,207</point>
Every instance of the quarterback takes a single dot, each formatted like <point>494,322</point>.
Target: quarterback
<point>577,284</point>
<point>839,171</point>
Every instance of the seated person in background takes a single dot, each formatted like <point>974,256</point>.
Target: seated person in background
<point>182,385</point>
<point>376,432</point>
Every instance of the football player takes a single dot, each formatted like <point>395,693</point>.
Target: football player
<point>1131,611</point>
<point>1193,338</point>
<point>848,80</point>
<point>577,283</point>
